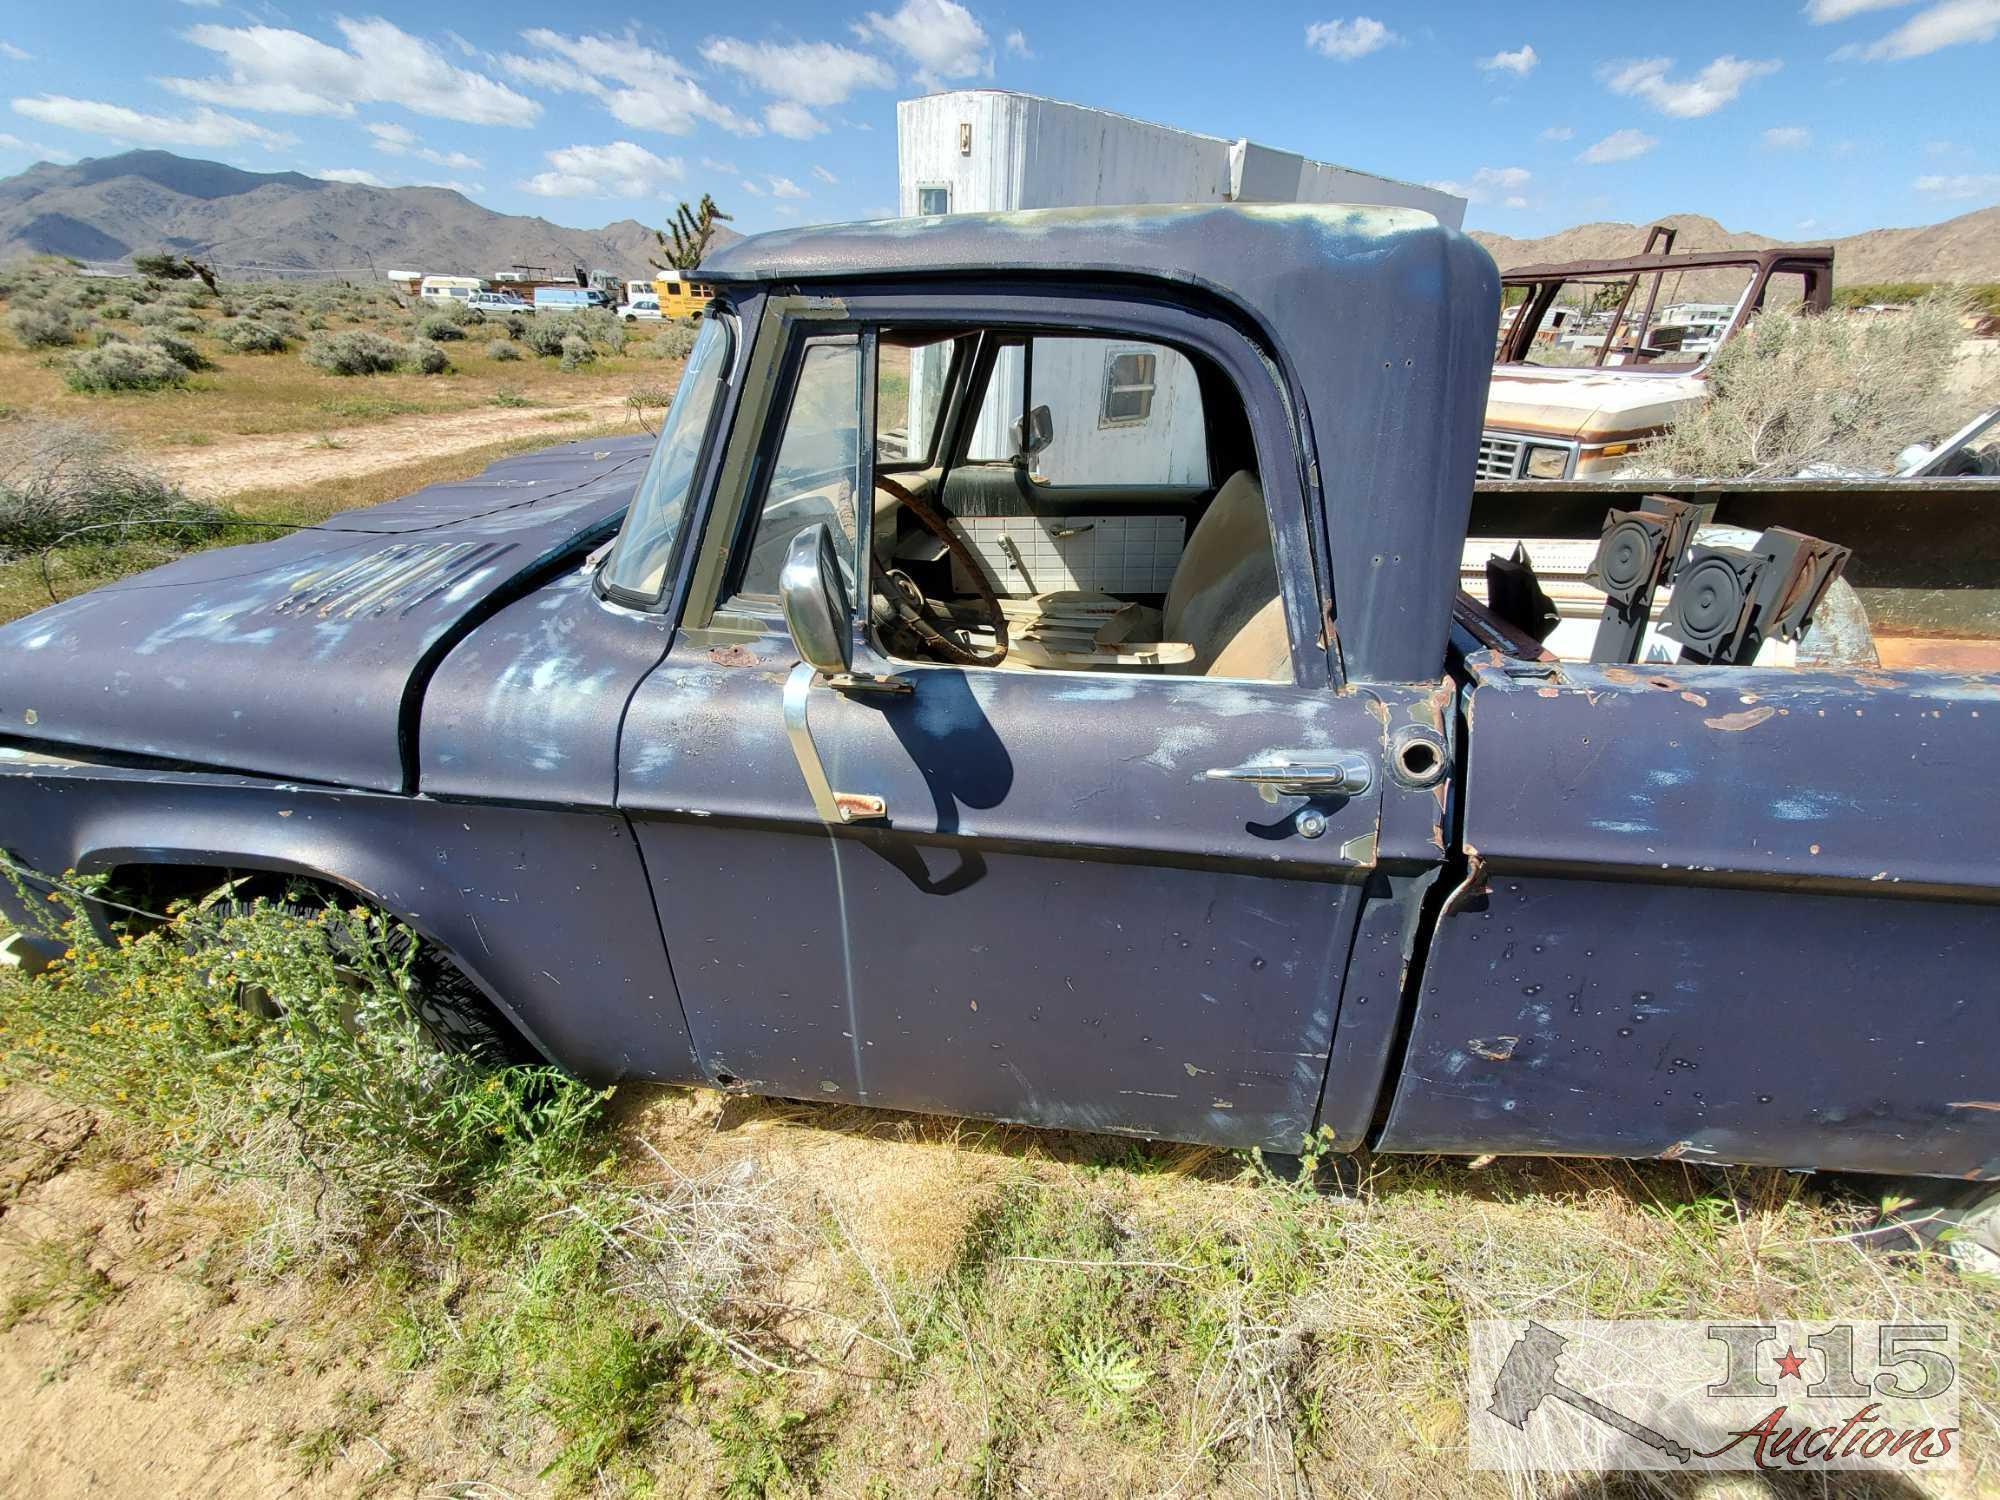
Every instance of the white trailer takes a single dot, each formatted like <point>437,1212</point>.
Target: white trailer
<point>987,150</point>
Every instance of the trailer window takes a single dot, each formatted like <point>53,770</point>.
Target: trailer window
<point>1128,387</point>
<point>933,200</point>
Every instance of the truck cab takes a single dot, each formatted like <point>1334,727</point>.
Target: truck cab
<point>898,729</point>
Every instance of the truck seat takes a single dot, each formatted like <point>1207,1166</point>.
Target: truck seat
<point>1224,598</point>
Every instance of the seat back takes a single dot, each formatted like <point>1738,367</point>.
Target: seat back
<point>1224,598</point>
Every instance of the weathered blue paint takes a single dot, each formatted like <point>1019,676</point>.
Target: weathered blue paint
<point>1725,914</point>
<point>1718,914</point>
<point>304,656</point>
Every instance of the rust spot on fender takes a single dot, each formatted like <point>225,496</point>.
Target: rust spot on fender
<point>733,656</point>
<point>1696,699</point>
<point>1748,718</point>
<point>1500,1049</point>
<point>1620,674</point>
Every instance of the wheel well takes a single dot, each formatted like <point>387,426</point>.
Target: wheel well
<point>153,889</point>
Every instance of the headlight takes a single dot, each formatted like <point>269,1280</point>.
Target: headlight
<point>1547,463</point>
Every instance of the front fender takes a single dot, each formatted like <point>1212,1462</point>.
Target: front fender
<point>548,911</point>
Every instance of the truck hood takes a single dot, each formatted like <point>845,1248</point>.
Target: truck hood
<point>1589,406</point>
<point>306,657</point>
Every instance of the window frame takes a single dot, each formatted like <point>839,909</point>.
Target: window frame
<point>960,354</point>
<point>1196,325</point>
<point>933,187</point>
<point>1110,387</point>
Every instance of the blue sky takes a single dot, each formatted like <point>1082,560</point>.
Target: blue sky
<point>1795,118</point>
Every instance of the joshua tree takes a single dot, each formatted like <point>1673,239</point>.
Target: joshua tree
<point>685,240</point>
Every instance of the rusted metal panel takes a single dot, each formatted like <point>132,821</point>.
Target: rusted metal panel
<point>1722,914</point>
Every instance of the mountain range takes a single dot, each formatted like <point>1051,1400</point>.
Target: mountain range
<point>107,208</point>
<point>1966,248</point>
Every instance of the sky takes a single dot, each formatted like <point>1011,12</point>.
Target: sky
<point>1794,118</point>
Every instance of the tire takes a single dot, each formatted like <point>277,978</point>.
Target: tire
<point>454,1014</point>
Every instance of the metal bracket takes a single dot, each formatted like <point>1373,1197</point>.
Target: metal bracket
<point>832,806</point>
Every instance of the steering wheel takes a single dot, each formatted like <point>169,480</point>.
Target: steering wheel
<point>936,627</point>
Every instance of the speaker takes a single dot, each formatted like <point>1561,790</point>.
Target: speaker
<point>1709,610</point>
<point>1631,557</point>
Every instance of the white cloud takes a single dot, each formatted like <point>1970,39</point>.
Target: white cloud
<point>786,210</point>
<point>752,189</point>
<point>1788,138</point>
<point>619,170</point>
<point>824,176</point>
<point>1961,185</point>
<point>398,140</point>
<point>1819,12</point>
<point>1347,40</point>
<point>1486,182</point>
<point>815,73</point>
<point>205,127</point>
<point>1620,145</point>
<point>288,72</point>
<point>1714,86</point>
<point>711,164</point>
<point>1017,44</point>
<point>784,187</point>
<point>1520,63</point>
<point>1950,23</point>
<point>793,121</point>
<point>1517,202</point>
<point>354,175</point>
<point>1806,224</point>
<point>653,91</point>
<point>1558,133</point>
<point>939,36</point>
<point>14,54</point>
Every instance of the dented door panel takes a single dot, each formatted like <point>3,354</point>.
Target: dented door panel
<point>1061,921</point>
<point>1723,915</point>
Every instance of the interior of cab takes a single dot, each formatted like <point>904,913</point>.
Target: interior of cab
<point>1042,501</point>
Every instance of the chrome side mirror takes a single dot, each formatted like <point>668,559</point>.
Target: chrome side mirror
<point>1033,433</point>
<point>815,601</point>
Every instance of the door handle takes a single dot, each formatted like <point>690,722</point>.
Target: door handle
<point>1336,773</point>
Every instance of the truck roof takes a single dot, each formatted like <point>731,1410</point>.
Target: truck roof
<point>1381,320</point>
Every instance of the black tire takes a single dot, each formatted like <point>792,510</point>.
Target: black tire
<point>454,1013</point>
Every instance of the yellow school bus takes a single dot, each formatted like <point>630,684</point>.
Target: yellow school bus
<point>679,297</point>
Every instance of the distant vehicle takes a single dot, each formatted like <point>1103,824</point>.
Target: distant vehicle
<point>563,299</point>
<point>499,302</point>
<point>679,297</point>
<point>450,288</point>
<point>644,305</point>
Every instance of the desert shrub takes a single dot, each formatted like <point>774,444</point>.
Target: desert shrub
<point>342,1121</point>
<point>518,324</point>
<point>544,336</point>
<point>117,308</point>
<point>250,336</point>
<point>353,353</point>
<point>428,358</point>
<point>1842,389</point>
<point>123,367</point>
<point>674,341</point>
<point>40,325</point>
<point>88,293</point>
<point>58,476</point>
<point>182,352</point>
<point>503,349</point>
<point>105,336</point>
<point>441,328</point>
<point>576,351</point>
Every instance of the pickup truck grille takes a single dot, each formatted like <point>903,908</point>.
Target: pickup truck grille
<point>1500,457</point>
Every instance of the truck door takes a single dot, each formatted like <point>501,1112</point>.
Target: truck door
<point>1060,917</point>
<point>1719,914</point>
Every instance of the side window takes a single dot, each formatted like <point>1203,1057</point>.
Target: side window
<point>814,473</point>
<point>1122,415</point>
<point>910,372</point>
<point>933,200</point>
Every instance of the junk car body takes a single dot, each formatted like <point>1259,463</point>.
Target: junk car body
<point>842,744</point>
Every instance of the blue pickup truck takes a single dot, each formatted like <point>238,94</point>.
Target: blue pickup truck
<point>1027,678</point>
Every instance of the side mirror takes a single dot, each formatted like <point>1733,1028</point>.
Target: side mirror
<point>1033,433</point>
<point>815,601</point>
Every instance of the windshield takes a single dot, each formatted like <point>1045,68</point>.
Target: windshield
<point>638,564</point>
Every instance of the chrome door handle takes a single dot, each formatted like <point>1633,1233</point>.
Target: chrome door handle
<point>1337,773</point>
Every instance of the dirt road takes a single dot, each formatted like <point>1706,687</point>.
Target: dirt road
<point>222,469</point>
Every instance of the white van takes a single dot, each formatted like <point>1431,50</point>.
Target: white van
<point>450,288</point>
